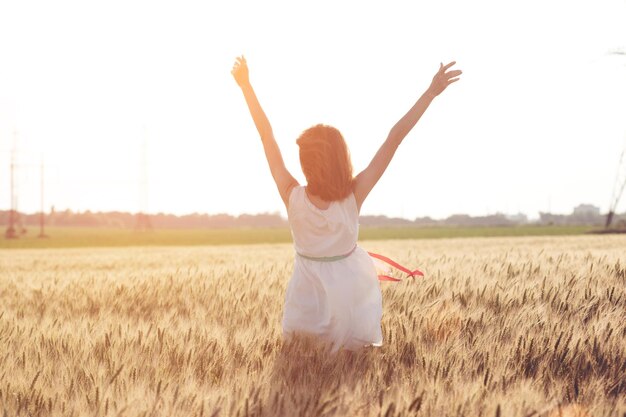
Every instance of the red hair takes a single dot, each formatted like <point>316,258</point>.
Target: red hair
<point>325,161</point>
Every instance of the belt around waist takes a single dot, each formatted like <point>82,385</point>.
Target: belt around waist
<point>327,258</point>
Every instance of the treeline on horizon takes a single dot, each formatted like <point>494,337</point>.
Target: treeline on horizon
<point>125,220</point>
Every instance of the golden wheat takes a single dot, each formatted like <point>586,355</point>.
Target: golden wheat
<point>499,326</point>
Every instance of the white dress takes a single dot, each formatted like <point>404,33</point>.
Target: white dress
<point>338,300</point>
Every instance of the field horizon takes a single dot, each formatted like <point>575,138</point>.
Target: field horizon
<point>69,237</point>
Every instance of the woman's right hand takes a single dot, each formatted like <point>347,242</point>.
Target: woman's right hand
<point>240,71</point>
<point>443,79</point>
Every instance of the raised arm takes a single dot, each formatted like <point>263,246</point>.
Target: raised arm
<point>365,181</point>
<point>283,179</point>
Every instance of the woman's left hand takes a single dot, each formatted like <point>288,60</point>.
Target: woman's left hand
<point>443,79</point>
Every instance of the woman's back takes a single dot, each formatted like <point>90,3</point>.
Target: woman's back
<point>322,232</point>
<point>334,291</point>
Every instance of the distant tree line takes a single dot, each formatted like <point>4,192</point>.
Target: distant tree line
<point>117,219</point>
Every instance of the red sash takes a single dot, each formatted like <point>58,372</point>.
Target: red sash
<point>396,265</point>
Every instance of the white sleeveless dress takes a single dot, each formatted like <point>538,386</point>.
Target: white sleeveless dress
<point>337,300</point>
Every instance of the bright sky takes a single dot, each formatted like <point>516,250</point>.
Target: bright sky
<point>536,123</point>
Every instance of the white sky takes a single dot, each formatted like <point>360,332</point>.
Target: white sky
<point>536,123</point>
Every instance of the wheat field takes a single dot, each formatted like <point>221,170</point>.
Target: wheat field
<point>524,326</point>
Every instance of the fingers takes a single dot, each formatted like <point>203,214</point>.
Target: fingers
<point>240,61</point>
<point>452,74</point>
<point>453,80</point>
<point>448,65</point>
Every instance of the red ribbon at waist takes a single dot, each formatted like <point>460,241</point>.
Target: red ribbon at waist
<point>396,265</point>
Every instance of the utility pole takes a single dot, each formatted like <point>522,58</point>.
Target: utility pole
<point>143,219</point>
<point>11,233</point>
<point>42,216</point>
<point>618,188</point>
<point>620,179</point>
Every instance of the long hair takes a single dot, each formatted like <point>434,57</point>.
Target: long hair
<point>325,161</point>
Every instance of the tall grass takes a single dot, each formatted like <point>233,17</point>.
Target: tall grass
<point>528,326</point>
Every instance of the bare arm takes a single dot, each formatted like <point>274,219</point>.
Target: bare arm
<point>365,181</point>
<point>283,179</point>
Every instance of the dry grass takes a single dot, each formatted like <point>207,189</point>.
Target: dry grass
<point>499,327</point>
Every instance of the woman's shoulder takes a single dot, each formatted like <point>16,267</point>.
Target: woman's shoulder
<point>293,193</point>
<point>298,199</point>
